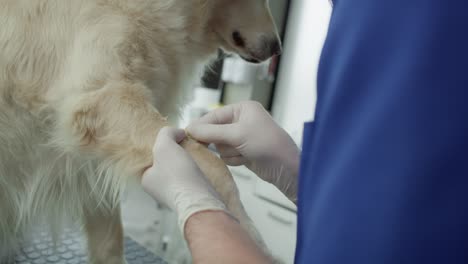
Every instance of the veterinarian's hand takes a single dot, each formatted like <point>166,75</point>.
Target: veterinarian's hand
<point>246,134</point>
<point>176,181</point>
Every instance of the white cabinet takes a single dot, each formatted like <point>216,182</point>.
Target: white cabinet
<point>272,213</point>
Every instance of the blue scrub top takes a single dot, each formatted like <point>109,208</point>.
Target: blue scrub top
<point>384,174</point>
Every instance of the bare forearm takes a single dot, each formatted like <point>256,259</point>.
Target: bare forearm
<point>215,237</point>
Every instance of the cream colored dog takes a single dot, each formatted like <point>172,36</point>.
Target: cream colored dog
<point>85,85</point>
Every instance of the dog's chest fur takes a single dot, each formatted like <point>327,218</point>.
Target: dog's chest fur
<point>41,43</point>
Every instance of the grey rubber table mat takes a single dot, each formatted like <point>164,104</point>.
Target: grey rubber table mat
<point>72,251</point>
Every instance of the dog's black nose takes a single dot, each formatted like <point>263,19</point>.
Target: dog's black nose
<point>275,47</point>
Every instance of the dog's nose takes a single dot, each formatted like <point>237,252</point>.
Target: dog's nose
<point>275,47</point>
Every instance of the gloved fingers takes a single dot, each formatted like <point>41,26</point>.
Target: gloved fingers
<point>175,179</point>
<point>228,134</point>
<point>168,140</point>
<point>171,133</point>
<point>151,182</point>
<point>230,155</point>
<point>227,151</point>
<point>168,154</point>
<point>223,115</point>
<point>235,161</point>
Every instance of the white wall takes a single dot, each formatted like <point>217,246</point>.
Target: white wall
<point>296,91</point>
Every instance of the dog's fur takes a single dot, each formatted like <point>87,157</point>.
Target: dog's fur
<point>85,85</point>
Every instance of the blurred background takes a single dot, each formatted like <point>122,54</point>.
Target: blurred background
<point>285,86</point>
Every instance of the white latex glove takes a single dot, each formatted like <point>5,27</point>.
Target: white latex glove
<point>176,181</point>
<point>246,134</point>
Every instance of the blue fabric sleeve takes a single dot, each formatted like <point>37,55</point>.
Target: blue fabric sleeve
<point>384,174</point>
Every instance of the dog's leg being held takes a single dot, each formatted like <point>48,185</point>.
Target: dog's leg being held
<point>119,125</point>
<point>114,126</point>
<point>221,178</point>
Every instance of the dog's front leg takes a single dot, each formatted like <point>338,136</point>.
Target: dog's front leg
<point>105,236</point>
<point>118,125</point>
<point>115,127</point>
